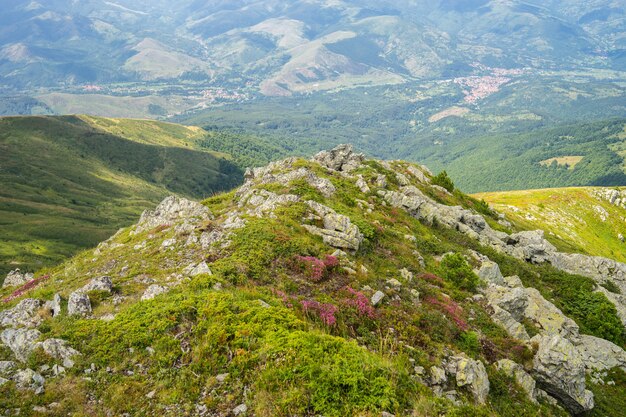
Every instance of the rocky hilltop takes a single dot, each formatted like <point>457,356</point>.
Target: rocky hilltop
<point>333,286</point>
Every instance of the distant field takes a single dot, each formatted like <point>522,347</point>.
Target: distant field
<point>566,161</point>
<point>70,182</point>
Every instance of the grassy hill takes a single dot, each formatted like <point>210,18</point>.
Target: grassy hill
<point>70,182</point>
<point>576,219</point>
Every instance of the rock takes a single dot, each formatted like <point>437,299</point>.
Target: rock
<point>3,381</point>
<point>24,314</point>
<point>377,298</point>
<point>549,318</point>
<point>57,369</point>
<point>402,179</point>
<point>386,414</point>
<point>22,341</point>
<point>394,283</point>
<point>406,275</point>
<point>513,300</point>
<point>173,210</point>
<point>340,158</point>
<point>437,376</point>
<point>522,377</point>
<point>7,367</point>
<point>221,377</point>
<point>362,184</point>
<point>473,375</point>
<point>151,395</point>
<point>530,246</point>
<point>78,304</point>
<point>55,305</point>
<point>240,409</point>
<point>152,291</point>
<point>99,284</point>
<point>490,273</point>
<point>29,379</point>
<point>16,278</point>
<point>58,349</point>
<point>599,354</point>
<point>338,231</point>
<point>513,281</point>
<point>201,268</point>
<point>513,327</point>
<point>559,370</point>
<point>168,243</point>
<point>418,174</point>
<point>381,181</point>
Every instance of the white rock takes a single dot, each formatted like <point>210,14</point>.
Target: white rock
<point>377,298</point>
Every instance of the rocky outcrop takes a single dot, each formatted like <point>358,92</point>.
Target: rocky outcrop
<point>173,210</point>
<point>24,314</point>
<point>341,158</point>
<point>472,374</point>
<point>548,317</point>
<point>78,304</point>
<point>198,269</point>
<point>559,369</point>
<point>338,230</point>
<point>261,176</point>
<point>22,342</point>
<point>58,349</point>
<point>99,284</point>
<point>522,377</point>
<point>595,267</point>
<point>261,203</point>
<point>29,379</point>
<point>599,354</point>
<point>490,273</point>
<point>16,278</point>
<point>152,291</point>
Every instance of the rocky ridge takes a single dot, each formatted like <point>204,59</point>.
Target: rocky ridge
<point>199,236</point>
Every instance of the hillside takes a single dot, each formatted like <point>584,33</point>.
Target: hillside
<point>589,219</point>
<point>69,182</point>
<point>334,286</point>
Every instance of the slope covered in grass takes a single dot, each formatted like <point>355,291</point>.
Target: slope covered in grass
<point>70,182</point>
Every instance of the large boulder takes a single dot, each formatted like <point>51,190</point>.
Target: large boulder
<point>340,158</point>
<point>559,369</point>
<point>338,230</point>
<point>22,341</point>
<point>472,374</point>
<point>78,304</point>
<point>513,327</point>
<point>530,246</point>
<point>548,317</point>
<point>29,379</point>
<point>599,354</point>
<point>24,314</point>
<point>152,291</point>
<point>513,300</point>
<point>99,284</point>
<point>523,378</point>
<point>16,278</point>
<point>173,210</point>
<point>490,273</point>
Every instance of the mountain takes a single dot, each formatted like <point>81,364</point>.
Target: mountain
<point>337,286</point>
<point>581,219</point>
<point>69,182</point>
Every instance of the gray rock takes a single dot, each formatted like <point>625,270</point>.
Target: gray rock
<point>240,410</point>
<point>338,231</point>
<point>3,381</point>
<point>55,305</point>
<point>24,314</point>
<point>471,374</point>
<point>418,174</point>
<point>377,298</point>
<point>78,304</point>
<point>513,300</point>
<point>16,278</point>
<point>173,210</point>
<point>28,379</point>
<point>513,327</point>
<point>490,273</point>
<point>437,376</point>
<point>22,341</point>
<point>530,246</point>
<point>58,349</point>
<point>99,284</point>
<point>549,318</point>
<point>340,158</point>
<point>558,369</point>
<point>198,269</point>
<point>600,355</point>
<point>152,291</point>
<point>7,367</point>
<point>522,377</point>
<point>362,184</point>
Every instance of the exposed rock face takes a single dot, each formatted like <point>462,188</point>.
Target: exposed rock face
<point>16,278</point>
<point>559,369</point>
<point>198,269</point>
<point>7,367</point>
<point>260,203</point>
<point>377,298</point>
<point>512,326</point>
<point>598,268</point>
<point>362,184</point>
<point>99,284</point>
<point>29,379</point>
<point>55,305</point>
<point>171,211</point>
<point>21,341</point>
<point>471,374</point>
<point>78,304</point>
<point>58,349</point>
<point>323,185</point>
<point>419,174</point>
<point>152,291</point>
<point>599,354</point>
<point>338,231</point>
<point>341,158</point>
<point>490,272</point>
<point>513,300</point>
<point>549,317</point>
<point>24,314</point>
<point>522,377</point>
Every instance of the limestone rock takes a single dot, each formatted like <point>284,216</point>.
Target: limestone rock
<point>338,231</point>
<point>54,305</point>
<point>418,174</point>
<point>201,268</point>
<point>16,278</point>
<point>21,341</point>
<point>513,300</point>
<point>437,376</point>
<point>377,298</point>
<point>240,410</point>
<point>7,367</point>
<point>490,273</point>
<point>152,291</point>
<point>559,369</point>
<point>24,314</point>
<point>340,158</point>
<point>99,284</point>
<point>530,246</point>
<point>29,379</point>
<point>522,377</point>
<point>549,318</point>
<point>58,349</point>
<point>599,354</point>
<point>471,374</point>
<point>173,210</point>
<point>78,304</point>
<point>362,184</point>
<point>262,203</point>
<point>512,326</point>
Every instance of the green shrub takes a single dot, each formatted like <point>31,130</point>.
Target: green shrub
<point>468,342</point>
<point>443,180</point>
<point>455,269</point>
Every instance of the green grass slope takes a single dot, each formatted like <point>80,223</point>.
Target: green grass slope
<point>575,219</point>
<point>69,182</point>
